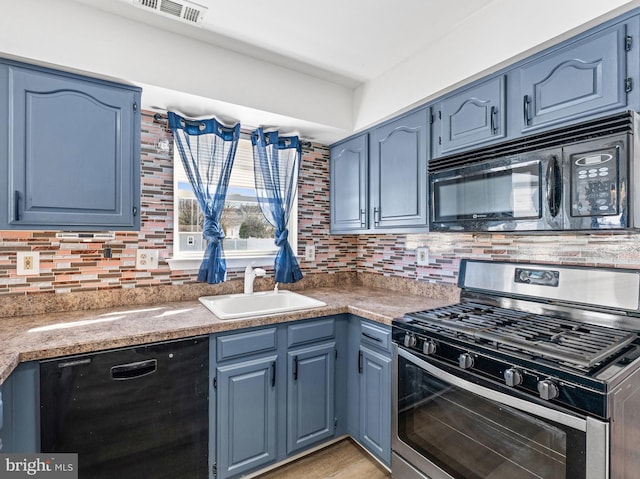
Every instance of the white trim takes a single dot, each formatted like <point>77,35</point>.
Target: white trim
<point>233,264</point>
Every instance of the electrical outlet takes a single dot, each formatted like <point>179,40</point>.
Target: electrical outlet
<point>310,252</point>
<point>28,263</point>
<point>422,256</point>
<point>147,259</point>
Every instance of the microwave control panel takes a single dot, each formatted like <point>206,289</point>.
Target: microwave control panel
<point>594,183</point>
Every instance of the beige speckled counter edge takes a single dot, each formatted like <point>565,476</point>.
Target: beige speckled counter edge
<point>42,336</point>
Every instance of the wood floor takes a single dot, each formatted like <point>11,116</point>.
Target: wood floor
<point>342,460</point>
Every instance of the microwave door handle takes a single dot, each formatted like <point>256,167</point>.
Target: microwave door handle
<point>554,187</point>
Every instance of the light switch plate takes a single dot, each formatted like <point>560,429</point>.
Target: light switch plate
<point>147,259</point>
<point>422,256</point>
<point>28,263</point>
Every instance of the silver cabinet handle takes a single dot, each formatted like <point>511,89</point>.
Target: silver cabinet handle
<point>376,216</point>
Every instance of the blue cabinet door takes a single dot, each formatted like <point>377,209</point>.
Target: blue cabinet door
<point>584,78</point>
<point>471,117</point>
<point>375,403</point>
<point>20,410</point>
<point>348,176</point>
<point>246,415</point>
<point>399,172</point>
<point>310,395</point>
<point>73,161</point>
<point>4,146</point>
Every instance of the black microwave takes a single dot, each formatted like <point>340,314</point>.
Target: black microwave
<point>575,178</point>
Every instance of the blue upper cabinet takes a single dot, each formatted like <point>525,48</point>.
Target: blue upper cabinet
<point>583,78</point>
<point>398,183</point>
<point>72,159</point>
<point>349,166</point>
<point>379,179</point>
<point>471,117</point>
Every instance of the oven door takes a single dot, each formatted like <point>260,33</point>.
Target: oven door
<point>446,427</point>
<point>507,194</point>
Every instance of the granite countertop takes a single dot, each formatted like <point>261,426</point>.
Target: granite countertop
<point>41,336</point>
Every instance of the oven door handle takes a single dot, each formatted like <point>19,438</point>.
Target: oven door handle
<point>574,422</point>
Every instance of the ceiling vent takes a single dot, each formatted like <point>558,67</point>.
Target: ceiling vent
<point>187,11</point>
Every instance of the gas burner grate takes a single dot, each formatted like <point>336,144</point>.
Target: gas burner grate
<point>580,344</point>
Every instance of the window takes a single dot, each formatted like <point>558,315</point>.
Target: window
<point>249,237</point>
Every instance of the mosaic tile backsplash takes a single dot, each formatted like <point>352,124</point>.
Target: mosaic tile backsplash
<point>81,267</point>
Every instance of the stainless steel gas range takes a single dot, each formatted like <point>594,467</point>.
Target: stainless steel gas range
<point>534,374</point>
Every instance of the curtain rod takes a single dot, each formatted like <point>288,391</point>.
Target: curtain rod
<point>304,143</point>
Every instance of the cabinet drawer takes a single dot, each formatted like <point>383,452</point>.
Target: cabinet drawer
<point>249,342</point>
<point>301,333</point>
<point>374,335</point>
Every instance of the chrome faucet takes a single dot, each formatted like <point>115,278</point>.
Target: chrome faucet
<point>249,275</point>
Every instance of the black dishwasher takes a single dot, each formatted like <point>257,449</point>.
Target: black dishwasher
<point>130,413</point>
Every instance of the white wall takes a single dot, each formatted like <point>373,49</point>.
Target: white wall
<point>72,35</point>
<point>497,34</point>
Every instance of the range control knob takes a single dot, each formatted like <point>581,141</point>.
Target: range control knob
<point>410,340</point>
<point>548,389</point>
<point>465,361</point>
<point>429,347</point>
<point>512,377</point>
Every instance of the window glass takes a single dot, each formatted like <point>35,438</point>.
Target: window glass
<point>247,232</point>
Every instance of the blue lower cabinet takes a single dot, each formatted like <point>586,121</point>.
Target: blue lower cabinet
<point>280,390</point>
<point>20,410</point>
<point>3,439</point>
<point>369,386</point>
<point>246,416</point>
<point>375,403</point>
<point>310,395</point>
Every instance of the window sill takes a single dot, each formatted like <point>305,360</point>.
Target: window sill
<point>233,264</point>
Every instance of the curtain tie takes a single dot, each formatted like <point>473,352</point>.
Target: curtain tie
<point>281,237</point>
<point>212,230</point>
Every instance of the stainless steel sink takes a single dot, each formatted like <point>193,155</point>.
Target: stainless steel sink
<point>237,306</point>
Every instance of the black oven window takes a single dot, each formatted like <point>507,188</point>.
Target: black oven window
<point>471,437</point>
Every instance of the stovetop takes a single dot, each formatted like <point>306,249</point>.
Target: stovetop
<point>563,335</point>
<point>573,344</point>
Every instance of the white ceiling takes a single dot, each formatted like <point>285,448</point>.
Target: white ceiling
<point>345,41</point>
<point>322,68</point>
